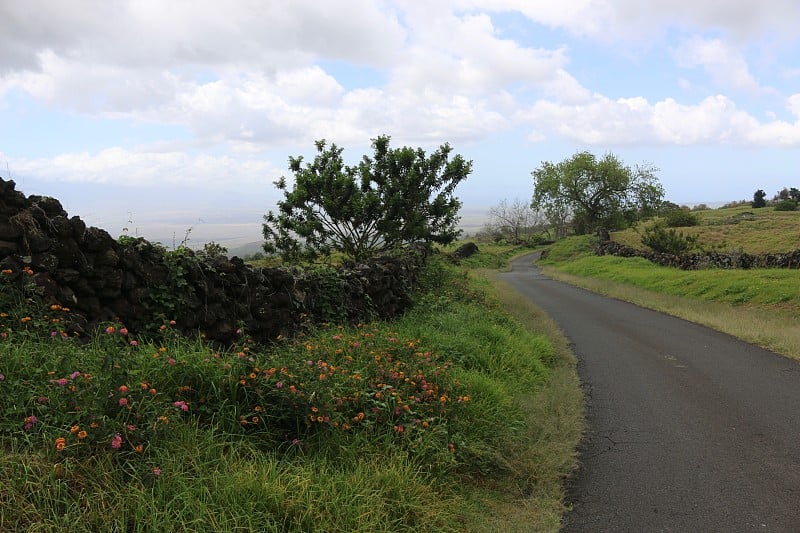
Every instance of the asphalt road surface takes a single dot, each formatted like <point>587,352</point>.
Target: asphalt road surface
<point>689,429</point>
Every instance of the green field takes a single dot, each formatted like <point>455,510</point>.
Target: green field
<point>741,229</point>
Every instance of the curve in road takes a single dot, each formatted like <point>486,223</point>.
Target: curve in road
<point>689,429</point>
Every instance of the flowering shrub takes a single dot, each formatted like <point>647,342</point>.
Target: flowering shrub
<point>364,381</point>
<point>118,394</point>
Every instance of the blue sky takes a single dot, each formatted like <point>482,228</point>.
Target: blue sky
<point>165,116</point>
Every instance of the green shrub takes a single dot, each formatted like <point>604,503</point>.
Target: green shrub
<point>668,241</point>
<point>681,218</point>
<point>786,205</point>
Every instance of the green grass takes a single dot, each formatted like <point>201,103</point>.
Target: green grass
<point>744,229</point>
<point>461,416</point>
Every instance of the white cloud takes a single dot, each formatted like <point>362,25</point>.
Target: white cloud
<point>624,20</point>
<point>266,34</point>
<point>726,64</point>
<point>146,169</point>
<point>249,76</point>
<point>635,121</point>
<point>793,104</point>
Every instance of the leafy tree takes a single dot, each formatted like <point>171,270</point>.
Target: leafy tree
<point>515,221</point>
<point>598,193</point>
<point>759,199</point>
<point>394,198</point>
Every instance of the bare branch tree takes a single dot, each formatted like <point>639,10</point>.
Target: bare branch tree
<point>515,221</point>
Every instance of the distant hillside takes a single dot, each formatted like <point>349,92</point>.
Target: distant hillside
<point>726,230</point>
<point>246,249</point>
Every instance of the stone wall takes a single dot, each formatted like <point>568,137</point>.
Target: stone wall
<point>704,260</point>
<point>143,285</point>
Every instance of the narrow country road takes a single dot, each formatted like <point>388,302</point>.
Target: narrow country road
<point>689,429</point>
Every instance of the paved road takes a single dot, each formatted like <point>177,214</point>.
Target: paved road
<point>689,429</point>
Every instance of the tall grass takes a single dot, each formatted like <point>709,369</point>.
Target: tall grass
<point>444,420</point>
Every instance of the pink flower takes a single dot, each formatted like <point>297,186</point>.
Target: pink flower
<point>123,401</point>
<point>30,422</point>
<point>74,375</point>
<point>171,361</point>
<point>134,344</point>
<point>116,442</point>
<point>156,471</point>
<point>123,331</point>
<point>279,384</point>
<point>61,381</point>
<point>183,406</point>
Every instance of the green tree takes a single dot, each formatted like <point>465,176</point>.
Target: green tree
<point>396,197</point>
<point>759,199</point>
<point>600,193</point>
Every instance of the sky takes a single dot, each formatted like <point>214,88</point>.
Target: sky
<point>172,119</point>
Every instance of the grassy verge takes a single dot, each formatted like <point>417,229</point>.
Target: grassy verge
<point>759,306</point>
<point>457,417</point>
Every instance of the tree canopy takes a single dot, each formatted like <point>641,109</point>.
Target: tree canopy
<point>596,193</point>
<point>396,197</point>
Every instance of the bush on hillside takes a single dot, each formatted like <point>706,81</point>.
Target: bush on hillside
<point>786,205</point>
<point>681,218</point>
<point>668,241</point>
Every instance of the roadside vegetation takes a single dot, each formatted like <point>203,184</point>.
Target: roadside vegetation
<point>761,306</point>
<point>463,415</point>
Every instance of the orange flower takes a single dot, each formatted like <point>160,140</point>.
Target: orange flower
<point>74,429</point>
<point>61,443</point>
<point>139,449</point>
<point>123,388</point>
<point>82,435</point>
